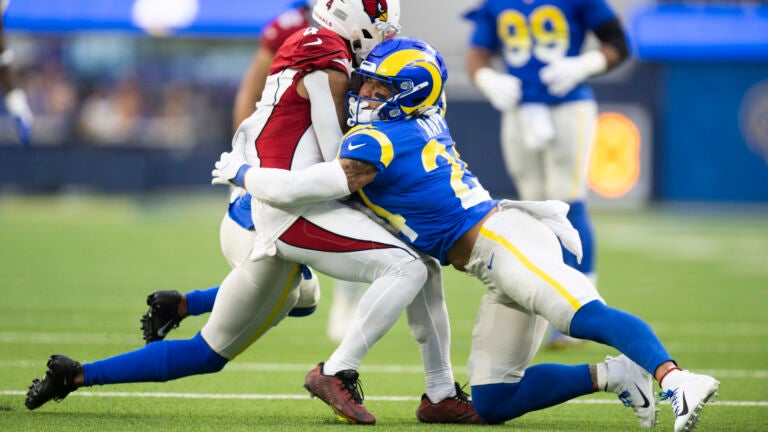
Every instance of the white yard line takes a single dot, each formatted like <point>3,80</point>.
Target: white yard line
<point>306,396</point>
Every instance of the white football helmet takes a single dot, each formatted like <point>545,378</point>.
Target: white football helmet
<point>364,23</point>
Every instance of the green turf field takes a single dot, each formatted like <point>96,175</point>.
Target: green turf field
<point>74,273</point>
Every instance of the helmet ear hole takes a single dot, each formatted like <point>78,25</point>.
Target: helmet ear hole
<point>367,34</point>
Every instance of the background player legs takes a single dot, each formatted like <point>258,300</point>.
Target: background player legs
<point>346,296</point>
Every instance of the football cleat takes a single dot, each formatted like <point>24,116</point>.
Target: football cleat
<point>342,392</point>
<point>688,398</point>
<point>634,385</point>
<point>58,382</point>
<point>162,316</point>
<point>457,409</point>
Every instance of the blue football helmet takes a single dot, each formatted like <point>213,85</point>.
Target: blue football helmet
<point>414,72</point>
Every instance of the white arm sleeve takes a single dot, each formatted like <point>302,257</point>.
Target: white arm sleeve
<point>320,182</point>
<point>324,119</point>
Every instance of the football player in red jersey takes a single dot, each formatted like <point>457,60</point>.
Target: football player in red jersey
<point>293,128</point>
<point>167,308</point>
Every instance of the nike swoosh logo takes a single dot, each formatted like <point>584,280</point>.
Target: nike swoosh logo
<point>646,402</point>
<point>317,41</point>
<point>162,331</point>
<point>490,263</point>
<point>351,147</point>
<point>684,411</point>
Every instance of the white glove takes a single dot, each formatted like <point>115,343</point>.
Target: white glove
<point>502,90</point>
<point>553,214</point>
<point>18,107</point>
<point>229,163</point>
<point>536,125</point>
<point>565,73</point>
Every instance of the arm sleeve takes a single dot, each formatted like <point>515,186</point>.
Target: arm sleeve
<point>612,33</point>
<point>320,182</point>
<point>324,119</point>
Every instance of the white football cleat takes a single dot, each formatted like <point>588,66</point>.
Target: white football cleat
<point>634,385</point>
<point>688,393</point>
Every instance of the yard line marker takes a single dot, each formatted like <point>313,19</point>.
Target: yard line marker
<point>306,396</point>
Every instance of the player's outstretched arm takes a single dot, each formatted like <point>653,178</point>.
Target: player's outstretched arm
<point>320,182</point>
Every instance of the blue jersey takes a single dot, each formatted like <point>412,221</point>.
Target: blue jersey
<point>530,34</point>
<point>423,189</point>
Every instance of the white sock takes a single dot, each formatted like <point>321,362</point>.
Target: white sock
<point>673,379</point>
<point>602,376</point>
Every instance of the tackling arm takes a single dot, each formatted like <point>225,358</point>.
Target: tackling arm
<point>325,89</point>
<point>320,182</point>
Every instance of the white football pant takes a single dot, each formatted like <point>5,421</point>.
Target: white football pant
<point>519,260</point>
<point>556,168</point>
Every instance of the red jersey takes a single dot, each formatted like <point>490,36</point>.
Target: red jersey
<point>287,23</point>
<point>280,132</point>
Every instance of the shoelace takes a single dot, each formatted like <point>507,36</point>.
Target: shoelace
<point>461,395</point>
<point>625,398</point>
<point>352,384</point>
<point>672,396</point>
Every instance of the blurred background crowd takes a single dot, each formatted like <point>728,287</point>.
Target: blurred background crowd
<point>120,90</point>
<point>157,80</point>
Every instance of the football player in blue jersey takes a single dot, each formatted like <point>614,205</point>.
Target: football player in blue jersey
<point>548,110</point>
<point>403,163</point>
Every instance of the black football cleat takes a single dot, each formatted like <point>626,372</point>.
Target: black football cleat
<point>162,316</point>
<point>58,382</point>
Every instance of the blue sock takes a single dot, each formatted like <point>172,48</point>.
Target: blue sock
<point>579,218</point>
<point>542,386</point>
<point>156,362</point>
<point>200,302</point>
<point>621,330</point>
